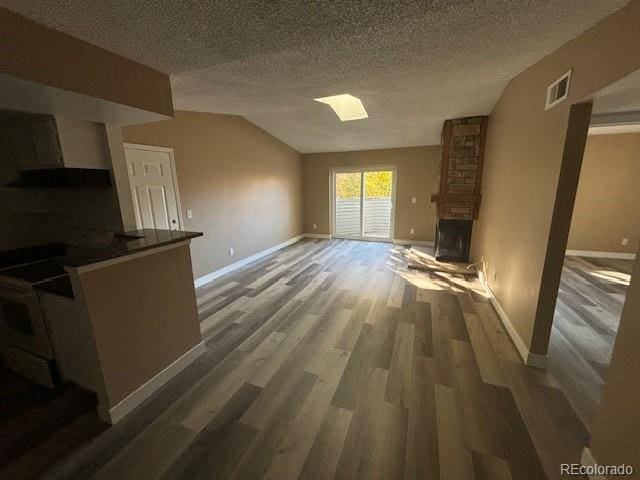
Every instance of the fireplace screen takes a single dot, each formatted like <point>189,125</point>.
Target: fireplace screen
<point>453,239</point>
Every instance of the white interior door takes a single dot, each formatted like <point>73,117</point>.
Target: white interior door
<point>154,188</point>
<point>363,203</point>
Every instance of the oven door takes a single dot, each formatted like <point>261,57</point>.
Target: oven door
<point>23,321</point>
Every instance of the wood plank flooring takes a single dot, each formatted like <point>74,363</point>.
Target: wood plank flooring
<point>585,324</point>
<point>39,425</point>
<point>330,359</point>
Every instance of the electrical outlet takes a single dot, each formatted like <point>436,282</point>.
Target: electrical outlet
<point>412,231</point>
<point>625,241</point>
<point>189,214</point>
<point>232,252</point>
<point>315,227</point>
<point>413,200</point>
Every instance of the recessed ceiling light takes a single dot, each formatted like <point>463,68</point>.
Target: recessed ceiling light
<point>346,106</point>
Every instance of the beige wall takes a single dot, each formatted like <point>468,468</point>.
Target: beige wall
<point>154,321</point>
<point>243,185</point>
<point>523,158</point>
<point>417,170</point>
<point>608,198</point>
<point>615,437</point>
<point>36,53</point>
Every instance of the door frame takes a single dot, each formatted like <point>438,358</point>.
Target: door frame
<point>557,239</point>
<point>332,200</point>
<point>174,174</point>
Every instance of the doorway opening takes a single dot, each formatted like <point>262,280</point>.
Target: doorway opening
<point>600,231</point>
<point>363,203</point>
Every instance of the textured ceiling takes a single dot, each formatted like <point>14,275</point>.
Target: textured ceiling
<point>413,64</point>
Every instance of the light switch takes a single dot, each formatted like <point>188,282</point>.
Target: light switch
<point>413,200</point>
<point>189,214</point>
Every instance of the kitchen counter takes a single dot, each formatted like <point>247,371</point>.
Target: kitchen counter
<point>132,323</point>
<point>127,243</point>
<point>142,313</point>
<point>101,247</point>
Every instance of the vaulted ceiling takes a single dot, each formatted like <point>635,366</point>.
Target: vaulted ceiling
<point>412,63</point>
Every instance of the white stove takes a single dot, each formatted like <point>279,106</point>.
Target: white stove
<point>29,349</point>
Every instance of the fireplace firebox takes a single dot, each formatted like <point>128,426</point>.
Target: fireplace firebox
<point>453,239</point>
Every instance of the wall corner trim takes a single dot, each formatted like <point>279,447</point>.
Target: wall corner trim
<point>587,460</point>
<point>116,413</point>
<point>530,359</point>
<point>418,243</point>
<point>596,254</point>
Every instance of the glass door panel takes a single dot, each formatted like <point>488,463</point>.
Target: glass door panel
<point>377,204</point>
<point>348,213</point>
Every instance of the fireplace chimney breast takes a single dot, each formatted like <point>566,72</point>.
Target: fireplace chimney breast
<point>463,141</point>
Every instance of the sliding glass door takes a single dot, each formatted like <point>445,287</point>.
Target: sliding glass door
<point>363,203</point>
<point>348,209</point>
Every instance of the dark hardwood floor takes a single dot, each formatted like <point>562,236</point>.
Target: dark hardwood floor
<point>330,359</point>
<point>39,425</point>
<point>585,324</point>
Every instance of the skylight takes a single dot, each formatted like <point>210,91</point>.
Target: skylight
<point>346,106</point>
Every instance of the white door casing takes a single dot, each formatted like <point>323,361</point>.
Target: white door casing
<point>154,187</point>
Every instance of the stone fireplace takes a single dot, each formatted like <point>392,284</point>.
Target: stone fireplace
<point>458,200</point>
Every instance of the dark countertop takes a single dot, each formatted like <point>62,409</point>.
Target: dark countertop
<point>58,286</point>
<point>34,253</point>
<point>35,272</point>
<point>145,240</point>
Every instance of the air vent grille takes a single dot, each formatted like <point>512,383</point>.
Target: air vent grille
<point>558,90</point>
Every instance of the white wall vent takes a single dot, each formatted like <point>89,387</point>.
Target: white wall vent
<point>558,90</point>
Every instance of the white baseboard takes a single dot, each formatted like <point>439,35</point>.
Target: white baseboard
<point>536,360</point>
<point>245,261</point>
<point>595,254</point>
<point>317,235</point>
<point>531,359</point>
<point>144,391</point>
<point>419,243</point>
